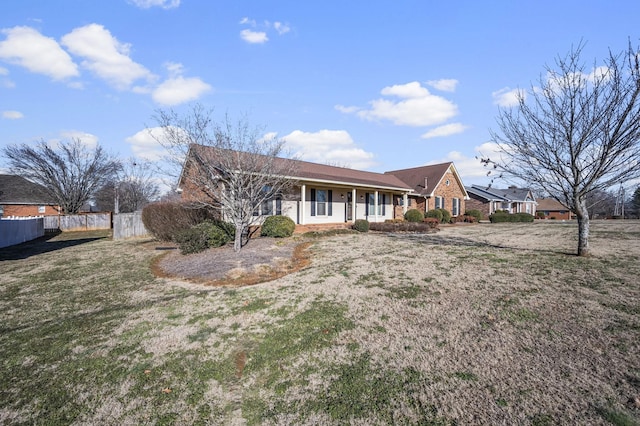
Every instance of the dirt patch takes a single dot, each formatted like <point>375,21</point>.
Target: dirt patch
<point>261,260</point>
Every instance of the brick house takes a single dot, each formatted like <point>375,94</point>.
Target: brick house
<point>326,194</point>
<point>20,197</point>
<point>436,186</point>
<point>553,209</point>
<point>512,199</point>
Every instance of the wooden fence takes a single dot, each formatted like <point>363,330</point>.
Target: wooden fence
<point>78,222</point>
<point>20,230</point>
<point>128,225</point>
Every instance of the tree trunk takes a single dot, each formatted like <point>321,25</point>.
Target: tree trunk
<point>237,242</point>
<point>583,228</point>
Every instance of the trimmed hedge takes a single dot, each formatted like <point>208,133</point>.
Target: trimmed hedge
<point>277,227</point>
<point>475,213</point>
<point>361,225</point>
<point>413,215</point>
<point>164,220</point>
<point>446,216</point>
<point>434,214</point>
<point>405,226</point>
<point>499,217</point>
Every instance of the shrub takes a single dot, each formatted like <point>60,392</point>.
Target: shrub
<point>475,213</point>
<point>192,240</point>
<point>432,222</point>
<point>499,216</point>
<point>404,226</point>
<point>413,215</point>
<point>540,215</point>
<point>435,214</point>
<point>446,216</point>
<point>470,219</point>
<point>278,227</point>
<point>361,225</point>
<point>164,220</point>
<point>203,236</point>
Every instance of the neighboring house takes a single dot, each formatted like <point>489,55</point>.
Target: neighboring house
<point>436,186</point>
<point>326,194</point>
<point>20,197</point>
<point>490,200</point>
<point>553,209</point>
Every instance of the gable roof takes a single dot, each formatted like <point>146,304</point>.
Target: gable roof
<point>510,194</point>
<point>551,204</point>
<point>18,190</point>
<point>322,173</point>
<point>425,179</point>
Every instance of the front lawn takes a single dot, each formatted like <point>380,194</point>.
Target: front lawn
<point>483,324</point>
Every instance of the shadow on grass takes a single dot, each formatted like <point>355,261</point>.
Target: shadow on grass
<point>49,243</point>
<point>443,240</point>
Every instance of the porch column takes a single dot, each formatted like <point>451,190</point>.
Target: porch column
<point>303,190</point>
<point>354,201</point>
<point>375,205</point>
<point>405,200</point>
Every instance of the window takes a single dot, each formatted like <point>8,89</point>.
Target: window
<point>321,202</point>
<point>41,209</point>
<point>371,204</point>
<point>455,207</point>
<point>439,202</point>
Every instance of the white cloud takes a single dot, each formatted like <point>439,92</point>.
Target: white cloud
<point>12,115</point>
<point>177,90</point>
<point>87,138</point>
<point>144,144</point>
<point>281,28</point>
<point>105,56</point>
<point>506,97</point>
<point>254,37</point>
<point>446,130</point>
<point>247,21</point>
<point>347,109</point>
<point>146,4</point>
<point>329,146</point>
<point>4,71</point>
<point>26,47</point>
<point>471,170</point>
<point>416,107</point>
<point>446,85</point>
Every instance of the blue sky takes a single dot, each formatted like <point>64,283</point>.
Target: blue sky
<point>375,85</point>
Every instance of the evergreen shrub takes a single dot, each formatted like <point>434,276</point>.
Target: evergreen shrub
<point>413,215</point>
<point>278,227</point>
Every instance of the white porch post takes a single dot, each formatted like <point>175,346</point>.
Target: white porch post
<point>375,205</point>
<point>405,200</point>
<point>354,201</point>
<point>303,190</point>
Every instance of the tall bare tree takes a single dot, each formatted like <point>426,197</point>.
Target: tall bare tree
<point>134,187</point>
<point>70,171</point>
<point>576,133</point>
<point>226,166</point>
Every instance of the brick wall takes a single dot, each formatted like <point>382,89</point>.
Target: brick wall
<point>474,204</point>
<point>25,210</point>
<point>449,192</point>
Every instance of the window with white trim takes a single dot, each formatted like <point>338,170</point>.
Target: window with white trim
<point>42,209</point>
<point>455,207</point>
<point>439,203</point>
<point>321,202</point>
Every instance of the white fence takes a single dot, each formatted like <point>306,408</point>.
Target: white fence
<point>78,222</point>
<point>20,230</point>
<point>128,225</point>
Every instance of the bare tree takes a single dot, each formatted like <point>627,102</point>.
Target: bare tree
<point>134,187</point>
<point>70,172</point>
<point>226,166</point>
<point>578,132</point>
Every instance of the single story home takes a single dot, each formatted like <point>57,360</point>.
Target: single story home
<point>325,194</point>
<point>553,209</point>
<point>489,200</point>
<point>23,198</point>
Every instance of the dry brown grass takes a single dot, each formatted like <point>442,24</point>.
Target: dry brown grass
<point>482,324</point>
